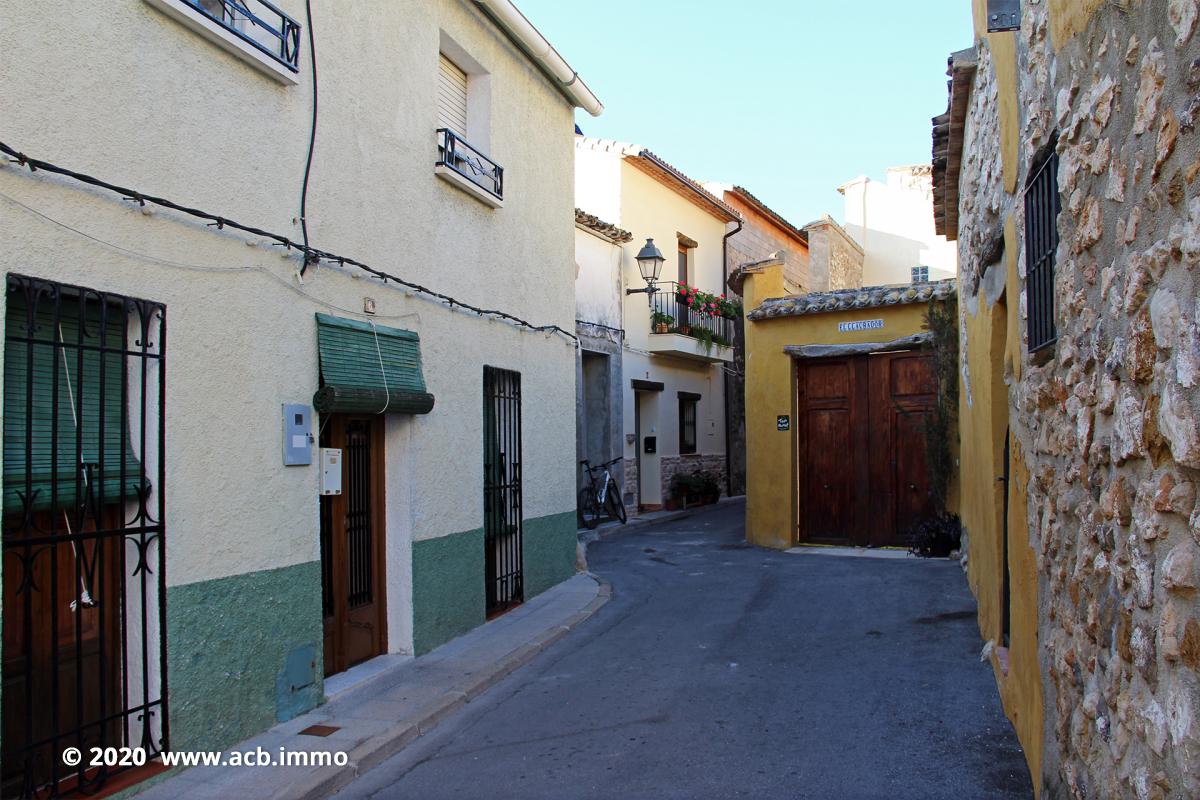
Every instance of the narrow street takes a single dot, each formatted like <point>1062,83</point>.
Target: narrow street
<point>723,670</point>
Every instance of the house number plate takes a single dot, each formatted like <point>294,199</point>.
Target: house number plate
<point>862,325</point>
<point>783,423</point>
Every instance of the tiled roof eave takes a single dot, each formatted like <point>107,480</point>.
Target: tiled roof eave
<point>853,299</point>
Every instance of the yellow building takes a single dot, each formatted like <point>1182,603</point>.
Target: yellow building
<point>1066,169</point>
<point>839,388</point>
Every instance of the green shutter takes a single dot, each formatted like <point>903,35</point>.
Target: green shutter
<point>369,369</point>
<point>89,429</point>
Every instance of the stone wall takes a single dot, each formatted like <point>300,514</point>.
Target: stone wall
<point>1108,423</point>
<point>673,465</point>
<point>835,259</point>
<point>758,241</point>
<point>629,487</point>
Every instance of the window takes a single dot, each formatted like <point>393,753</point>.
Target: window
<point>687,422</point>
<point>253,30</point>
<point>686,245</point>
<point>83,531</point>
<point>920,274</point>
<point>452,96</point>
<point>1042,206</point>
<point>463,113</point>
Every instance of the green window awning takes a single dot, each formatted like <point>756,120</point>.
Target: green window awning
<point>58,371</point>
<point>369,369</point>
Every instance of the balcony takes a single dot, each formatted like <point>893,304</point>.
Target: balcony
<point>255,31</point>
<point>470,170</point>
<point>683,331</point>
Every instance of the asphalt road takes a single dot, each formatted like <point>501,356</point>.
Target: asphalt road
<point>722,670</point>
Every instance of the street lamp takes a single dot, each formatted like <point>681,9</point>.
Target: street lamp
<point>650,260</point>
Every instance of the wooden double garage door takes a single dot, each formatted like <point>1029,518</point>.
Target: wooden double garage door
<point>863,476</point>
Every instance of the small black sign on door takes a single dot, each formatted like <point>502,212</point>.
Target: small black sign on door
<point>783,423</point>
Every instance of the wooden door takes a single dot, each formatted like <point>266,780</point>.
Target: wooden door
<point>62,662</point>
<point>352,545</point>
<point>863,475</point>
<point>832,462</point>
<point>903,395</point>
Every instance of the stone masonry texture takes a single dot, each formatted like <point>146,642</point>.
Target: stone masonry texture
<point>1109,422</point>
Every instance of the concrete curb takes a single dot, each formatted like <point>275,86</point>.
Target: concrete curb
<point>378,749</point>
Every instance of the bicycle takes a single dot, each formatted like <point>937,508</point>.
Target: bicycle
<point>600,493</point>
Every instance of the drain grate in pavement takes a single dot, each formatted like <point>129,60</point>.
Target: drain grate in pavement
<point>319,730</point>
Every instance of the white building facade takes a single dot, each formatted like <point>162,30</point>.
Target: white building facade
<point>892,220</point>
<point>673,355</point>
<point>171,379</point>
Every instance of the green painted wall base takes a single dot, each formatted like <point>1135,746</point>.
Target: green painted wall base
<point>448,576</point>
<point>549,547</point>
<point>448,588</point>
<point>244,652</point>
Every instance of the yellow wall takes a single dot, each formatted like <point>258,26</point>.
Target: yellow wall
<point>1021,687</point>
<point>993,348</point>
<point>1003,47</point>
<point>770,393</point>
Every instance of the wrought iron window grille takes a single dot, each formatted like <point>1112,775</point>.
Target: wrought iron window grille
<point>503,527</point>
<point>1042,207</point>
<point>457,155</point>
<point>260,24</point>
<point>84,658</point>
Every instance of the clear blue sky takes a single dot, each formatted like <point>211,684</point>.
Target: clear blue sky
<point>789,98</point>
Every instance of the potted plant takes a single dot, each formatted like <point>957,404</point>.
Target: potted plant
<point>660,322</point>
<point>681,490</point>
<point>708,487</point>
<point>706,338</point>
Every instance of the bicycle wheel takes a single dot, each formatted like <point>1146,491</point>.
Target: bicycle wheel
<point>616,508</point>
<point>589,514</point>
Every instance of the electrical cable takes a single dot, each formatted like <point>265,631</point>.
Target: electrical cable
<point>207,268</point>
<point>312,136</point>
<point>317,255</point>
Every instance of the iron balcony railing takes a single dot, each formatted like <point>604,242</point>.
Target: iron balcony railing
<point>668,314</point>
<point>456,154</point>
<point>258,23</point>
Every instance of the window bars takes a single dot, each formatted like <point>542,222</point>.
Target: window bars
<point>84,663</point>
<point>1042,206</point>
<point>258,23</point>
<point>503,529</point>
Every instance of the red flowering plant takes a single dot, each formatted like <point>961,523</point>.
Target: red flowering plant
<point>686,294</point>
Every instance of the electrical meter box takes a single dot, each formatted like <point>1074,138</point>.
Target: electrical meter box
<point>331,470</point>
<point>297,435</point>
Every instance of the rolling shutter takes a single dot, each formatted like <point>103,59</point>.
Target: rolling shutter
<point>369,369</point>
<point>452,96</point>
<point>65,421</point>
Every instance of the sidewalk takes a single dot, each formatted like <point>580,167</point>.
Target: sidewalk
<point>382,714</point>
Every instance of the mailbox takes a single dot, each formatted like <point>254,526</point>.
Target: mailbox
<point>651,444</point>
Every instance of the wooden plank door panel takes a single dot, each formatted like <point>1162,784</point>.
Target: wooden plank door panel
<point>830,402</point>
<point>903,395</point>
<point>352,546</point>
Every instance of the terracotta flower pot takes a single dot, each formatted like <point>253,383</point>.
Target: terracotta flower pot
<point>661,327</point>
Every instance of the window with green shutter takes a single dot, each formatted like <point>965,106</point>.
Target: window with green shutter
<point>367,368</point>
<point>66,393</point>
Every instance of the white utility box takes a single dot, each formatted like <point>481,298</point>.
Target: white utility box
<point>331,470</point>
